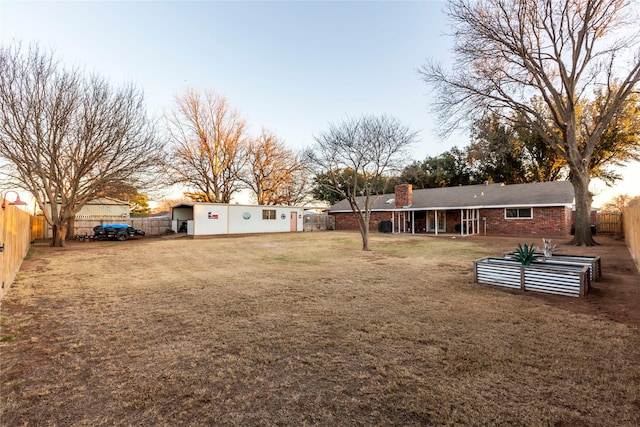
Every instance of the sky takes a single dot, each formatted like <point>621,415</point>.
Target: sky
<point>291,67</point>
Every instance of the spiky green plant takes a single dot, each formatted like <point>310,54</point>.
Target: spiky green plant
<point>525,254</point>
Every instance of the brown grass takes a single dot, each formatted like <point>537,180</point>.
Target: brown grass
<point>301,329</point>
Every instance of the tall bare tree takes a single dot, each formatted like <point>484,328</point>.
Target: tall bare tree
<point>67,138</point>
<point>556,52</point>
<point>369,146</point>
<point>208,145</point>
<point>274,173</point>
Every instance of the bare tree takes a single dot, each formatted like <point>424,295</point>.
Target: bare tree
<point>67,138</point>
<point>208,145</point>
<point>273,171</point>
<point>297,190</point>
<point>620,202</point>
<point>369,146</point>
<point>538,61</point>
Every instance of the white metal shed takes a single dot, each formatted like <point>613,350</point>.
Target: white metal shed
<point>210,219</point>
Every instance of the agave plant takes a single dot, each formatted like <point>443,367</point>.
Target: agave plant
<point>525,254</point>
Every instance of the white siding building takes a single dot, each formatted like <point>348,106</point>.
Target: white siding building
<point>210,219</point>
<point>104,208</point>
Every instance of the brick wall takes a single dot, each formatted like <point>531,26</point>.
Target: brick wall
<point>347,221</point>
<point>545,221</point>
<point>550,221</point>
<point>403,195</point>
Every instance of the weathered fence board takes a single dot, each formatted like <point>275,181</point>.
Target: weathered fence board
<point>15,239</point>
<point>38,227</point>
<point>631,224</point>
<point>319,222</point>
<point>609,223</point>
<point>150,225</point>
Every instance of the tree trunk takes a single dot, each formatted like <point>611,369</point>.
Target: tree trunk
<point>366,217</point>
<point>365,238</point>
<point>363,225</point>
<point>582,221</point>
<point>362,218</point>
<point>59,235</point>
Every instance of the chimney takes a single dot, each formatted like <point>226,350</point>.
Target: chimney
<point>403,195</point>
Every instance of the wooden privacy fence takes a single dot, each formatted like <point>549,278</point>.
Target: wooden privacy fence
<point>609,223</point>
<point>631,226</point>
<point>151,226</point>
<point>319,222</point>
<point>38,227</point>
<point>15,238</point>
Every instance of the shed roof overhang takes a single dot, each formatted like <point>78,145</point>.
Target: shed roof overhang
<point>184,205</point>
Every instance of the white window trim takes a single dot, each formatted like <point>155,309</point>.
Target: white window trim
<point>275,214</point>
<point>518,217</point>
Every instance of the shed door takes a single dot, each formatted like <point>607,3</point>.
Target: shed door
<point>294,221</point>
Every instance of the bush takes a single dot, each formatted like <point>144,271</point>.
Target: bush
<point>525,254</point>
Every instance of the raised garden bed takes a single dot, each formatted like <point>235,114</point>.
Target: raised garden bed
<point>552,278</point>
<point>593,262</point>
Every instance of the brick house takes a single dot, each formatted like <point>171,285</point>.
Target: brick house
<point>544,208</point>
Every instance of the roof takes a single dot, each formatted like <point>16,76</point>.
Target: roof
<point>106,201</point>
<point>192,204</point>
<point>556,193</point>
<point>103,201</point>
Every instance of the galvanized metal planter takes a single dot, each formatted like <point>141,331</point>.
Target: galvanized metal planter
<point>593,262</point>
<point>551,278</point>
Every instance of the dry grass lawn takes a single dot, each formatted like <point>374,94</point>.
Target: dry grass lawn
<point>301,329</point>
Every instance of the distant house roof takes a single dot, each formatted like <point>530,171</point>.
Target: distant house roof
<point>106,201</point>
<point>557,193</point>
<point>103,201</point>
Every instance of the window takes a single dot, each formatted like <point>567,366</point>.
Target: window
<point>519,213</point>
<point>268,214</point>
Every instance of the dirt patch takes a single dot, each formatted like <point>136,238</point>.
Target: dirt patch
<point>616,296</point>
<point>305,328</point>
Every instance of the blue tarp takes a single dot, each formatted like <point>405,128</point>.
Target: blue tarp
<point>115,226</point>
